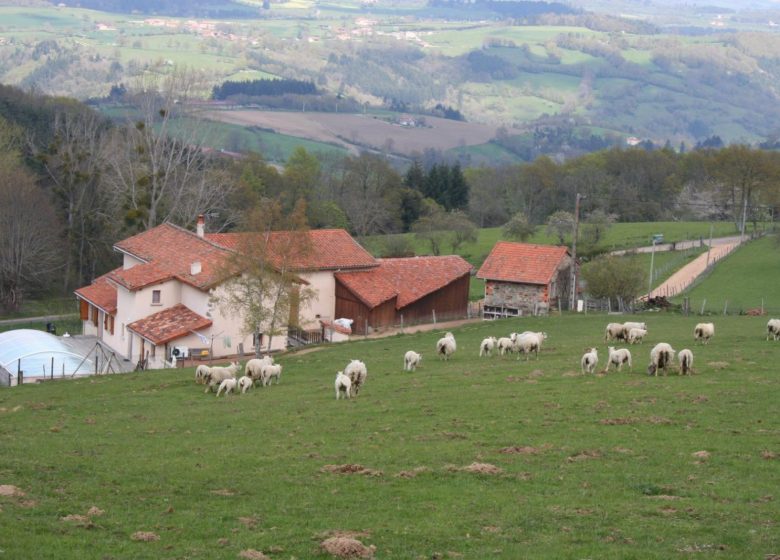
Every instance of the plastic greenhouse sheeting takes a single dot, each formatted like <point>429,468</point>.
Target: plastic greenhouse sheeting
<point>32,351</point>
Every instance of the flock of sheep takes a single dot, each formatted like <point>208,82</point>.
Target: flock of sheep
<point>349,381</point>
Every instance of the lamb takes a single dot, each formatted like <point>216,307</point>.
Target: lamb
<point>505,345</point>
<point>773,329</point>
<point>245,383</point>
<point>357,372</point>
<point>487,345</point>
<point>217,374</point>
<point>228,385</point>
<point>636,335</point>
<point>685,357</point>
<point>270,371</point>
<point>529,342</point>
<point>632,325</point>
<point>254,367</point>
<point>704,332</point>
<point>411,360</point>
<point>661,356</point>
<point>618,358</point>
<point>589,361</point>
<point>200,373</point>
<point>615,331</point>
<point>445,347</point>
<point>343,385</point>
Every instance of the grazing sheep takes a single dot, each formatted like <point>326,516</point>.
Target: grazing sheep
<point>411,360</point>
<point>343,385</point>
<point>615,331</point>
<point>618,358</point>
<point>505,345</point>
<point>357,373</point>
<point>685,357</point>
<point>661,356</point>
<point>200,373</point>
<point>487,345</point>
<point>528,342</point>
<point>245,383</point>
<point>704,332</point>
<point>445,347</point>
<point>589,361</point>
<point>228,385</point>
<point>217,374</point>
<point>632,325</point>
<point>636,335</point>
<point>254,367</point>
<point>269,372</point>
<point>773,329</point>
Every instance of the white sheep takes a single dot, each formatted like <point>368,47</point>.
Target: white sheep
<point>254,367</point>
<point>773,329</point>
<point>685,357</point>
<point>528,342</point>
<point>505,344</point>
<point>228,385</point>
<point>704,332</point>
<point>618,358</point>
<point>357,373</point>
<point>632,325</point>
<point>270,371</point>
<point>636,336</point>
<point>661,356</point>
<point>245,383</point>
<point>589,361</point>
<point>411,360</point>
<point>343,385</point>
<point>445,347</point>
<point>615,331</point>
<point>200,373</point>
<point>487,345</point>
<point>217,374</point>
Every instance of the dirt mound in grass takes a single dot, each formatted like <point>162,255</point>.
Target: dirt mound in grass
<point>346,547</point>
<point>252,554</point>
<point>412,473</point>
<point>145,536</point>
<point>521,450</point>
<point>9,490</point>
<point>350,469</point>
<point>482,468</point>
<point>584,455</point>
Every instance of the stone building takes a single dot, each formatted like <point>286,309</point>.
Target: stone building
<point>523,279</point>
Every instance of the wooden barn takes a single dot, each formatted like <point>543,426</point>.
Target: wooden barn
<point>523,278</point>
<point>407,289</point>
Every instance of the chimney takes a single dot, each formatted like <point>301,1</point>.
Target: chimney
<point>195,268</point>
<point>201,227</point>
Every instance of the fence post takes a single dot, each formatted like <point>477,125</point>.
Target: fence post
<point>725,306</point>
<point>434,317</point>
<point>762,306</point>
<point>402,322</point>
<point>52,367</point>
<point>703,303</point>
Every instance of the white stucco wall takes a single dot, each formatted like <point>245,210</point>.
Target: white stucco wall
<point>322,305</point>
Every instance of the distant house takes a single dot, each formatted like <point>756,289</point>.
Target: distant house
<point>405,290</point>
<point>524,278</point>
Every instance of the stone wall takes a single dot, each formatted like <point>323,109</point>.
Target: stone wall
<point>515,296</point>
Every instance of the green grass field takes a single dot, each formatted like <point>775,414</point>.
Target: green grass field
<point>743,280</point>
<point>599,466</point>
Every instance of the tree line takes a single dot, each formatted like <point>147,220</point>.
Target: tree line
<point>255,88</point>
<point>72,183</point>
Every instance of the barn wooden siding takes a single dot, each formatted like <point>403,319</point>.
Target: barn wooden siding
<point>350,307</point>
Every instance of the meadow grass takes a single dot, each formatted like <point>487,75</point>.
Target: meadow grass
<point>741,281</point>
<point>600,466</point>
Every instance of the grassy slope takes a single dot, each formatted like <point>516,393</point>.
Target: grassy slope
<point>742,279</point>
<point>611,472</point>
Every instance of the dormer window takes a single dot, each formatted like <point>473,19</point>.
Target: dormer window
<point>156,297</point>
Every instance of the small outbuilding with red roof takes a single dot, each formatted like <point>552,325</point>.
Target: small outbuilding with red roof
<point>524,278</point>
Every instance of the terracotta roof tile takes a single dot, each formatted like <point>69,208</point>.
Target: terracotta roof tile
<point>322,249</point>
<point>100,293</point>
<point>169,324</point>
<point>523,263</point>
<point>409,278</point>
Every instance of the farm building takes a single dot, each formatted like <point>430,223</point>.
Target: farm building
<point>406,290</point>
<point>524,278</point>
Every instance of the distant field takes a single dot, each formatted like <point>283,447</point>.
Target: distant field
<point>353,131</point>
<point>741,281</point>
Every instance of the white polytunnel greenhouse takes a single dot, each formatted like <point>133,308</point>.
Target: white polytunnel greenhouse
<point>39,355</point>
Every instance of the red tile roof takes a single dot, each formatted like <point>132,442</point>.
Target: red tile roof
<point>322,249</point>
<point>169,252</point>
<point>101,293</point>
<point>169,324</point>
<point>524,263</point>
<point>410,279</point>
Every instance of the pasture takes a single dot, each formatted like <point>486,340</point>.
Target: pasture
<point>474,458</point>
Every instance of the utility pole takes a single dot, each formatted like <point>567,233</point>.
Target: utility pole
<point>650,279</point>
<point>744,218</point>
<point>573,288</point>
